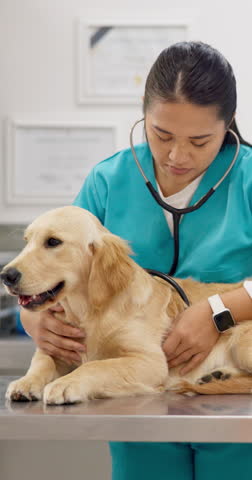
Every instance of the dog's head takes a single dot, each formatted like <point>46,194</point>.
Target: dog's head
<point>68,250</point>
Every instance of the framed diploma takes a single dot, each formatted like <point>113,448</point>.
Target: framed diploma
<point>46,162</point>
<point>113,59</point>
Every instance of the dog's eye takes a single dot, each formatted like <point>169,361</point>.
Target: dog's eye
<point>52,242</point>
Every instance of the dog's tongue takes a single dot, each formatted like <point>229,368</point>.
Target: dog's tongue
<point>25,299</point>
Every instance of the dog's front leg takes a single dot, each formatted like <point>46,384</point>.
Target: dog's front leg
<point>115,377</point>
<point>43,370</point>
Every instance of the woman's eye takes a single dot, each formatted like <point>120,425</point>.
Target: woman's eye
<point>52,242</point>
<point>164,139</point>
<point>199,145</point>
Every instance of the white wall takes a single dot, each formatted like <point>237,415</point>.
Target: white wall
<point>37,61</point>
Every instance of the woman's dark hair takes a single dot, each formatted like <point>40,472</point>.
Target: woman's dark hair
<point>197,73</point>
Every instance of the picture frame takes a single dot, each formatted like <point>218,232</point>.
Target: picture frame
<point>114,58</point>
<point>48,161</point>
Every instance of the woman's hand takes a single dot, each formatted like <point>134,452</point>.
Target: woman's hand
<point>192,337</point>
<point>54,337</point>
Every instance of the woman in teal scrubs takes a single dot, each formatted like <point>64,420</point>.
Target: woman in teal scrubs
<point>189,105</point>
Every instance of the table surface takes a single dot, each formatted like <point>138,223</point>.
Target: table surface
<point>162,417</point>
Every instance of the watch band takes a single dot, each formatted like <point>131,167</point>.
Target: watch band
<point>248,287</point>
<point>222,317</point>
<point>216,304</point>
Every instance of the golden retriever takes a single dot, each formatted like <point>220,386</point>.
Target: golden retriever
<point>71,259</point>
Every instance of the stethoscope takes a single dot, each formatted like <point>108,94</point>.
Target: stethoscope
<point>178,212</point>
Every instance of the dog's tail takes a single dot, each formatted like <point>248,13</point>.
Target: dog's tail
<point>237,384</point>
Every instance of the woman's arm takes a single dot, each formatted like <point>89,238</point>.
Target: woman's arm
<point>53,336</point>
<point>195,334</point>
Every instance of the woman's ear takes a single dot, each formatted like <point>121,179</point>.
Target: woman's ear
<point>111,269</point>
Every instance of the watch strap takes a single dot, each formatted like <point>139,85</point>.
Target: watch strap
<point>216,304</point>
<point>248,287</point>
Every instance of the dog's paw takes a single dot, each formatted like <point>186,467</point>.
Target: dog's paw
<point>25,389</point>
<point>216,375</point>
<point>63,391</point>
<point>182,386</point>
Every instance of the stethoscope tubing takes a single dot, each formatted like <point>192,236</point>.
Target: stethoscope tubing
<point>178,212</point>
<point>155,193</point>
<point>171,281</point>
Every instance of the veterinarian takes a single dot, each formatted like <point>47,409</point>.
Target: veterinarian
<point>189,106</point>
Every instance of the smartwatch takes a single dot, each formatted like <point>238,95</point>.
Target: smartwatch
<point>222,316</point>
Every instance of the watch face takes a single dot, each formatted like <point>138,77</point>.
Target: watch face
<point>224,320</point>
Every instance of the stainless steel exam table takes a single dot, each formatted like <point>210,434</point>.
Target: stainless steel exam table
<point>164,417</point>
<point>158,418</point>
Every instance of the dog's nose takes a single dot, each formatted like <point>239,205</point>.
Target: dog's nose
<point>10,277</point>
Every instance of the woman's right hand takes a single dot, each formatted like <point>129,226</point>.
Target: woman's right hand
<point>54,337</point>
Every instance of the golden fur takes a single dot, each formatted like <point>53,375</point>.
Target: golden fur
<point>125,313</point>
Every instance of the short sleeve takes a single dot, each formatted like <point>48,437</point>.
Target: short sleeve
<point>92,196</point>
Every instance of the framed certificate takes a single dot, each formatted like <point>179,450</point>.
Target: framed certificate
<point>47,162</point>
<point>114,59</point>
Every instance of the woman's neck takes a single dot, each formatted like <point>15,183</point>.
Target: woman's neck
<point>168,187</point>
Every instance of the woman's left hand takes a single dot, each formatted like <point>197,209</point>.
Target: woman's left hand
<point>192,337</point>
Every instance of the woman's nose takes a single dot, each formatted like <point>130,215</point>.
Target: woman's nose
<point>178,154</point>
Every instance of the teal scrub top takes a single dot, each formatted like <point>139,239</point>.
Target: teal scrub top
<point>215,240</point>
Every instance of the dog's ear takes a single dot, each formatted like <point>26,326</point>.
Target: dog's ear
<point>111,269</point>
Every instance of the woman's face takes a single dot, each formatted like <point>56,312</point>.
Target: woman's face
<point>184,140</point>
